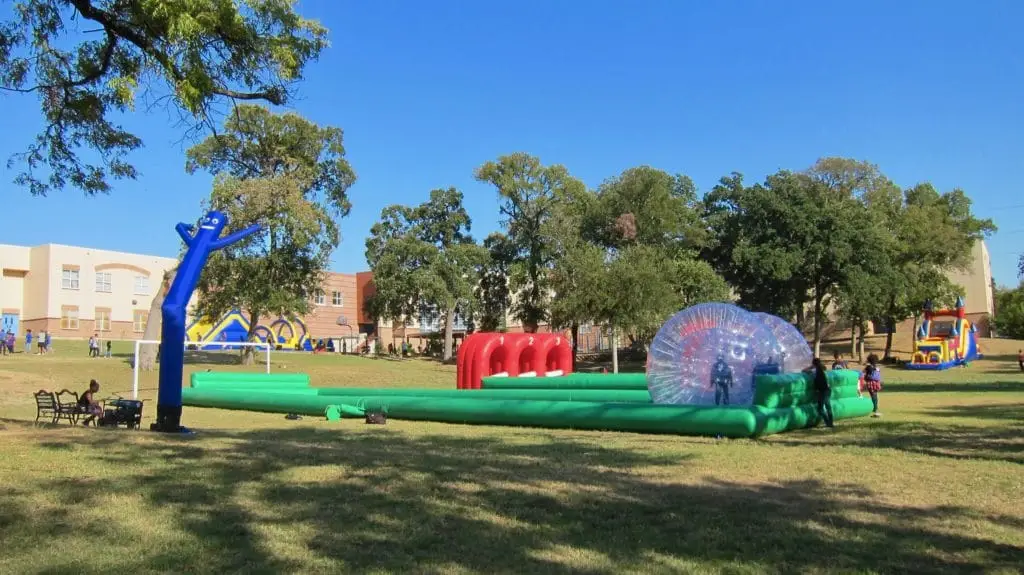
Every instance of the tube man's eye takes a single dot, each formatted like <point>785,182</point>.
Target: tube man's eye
<point>216,220</point>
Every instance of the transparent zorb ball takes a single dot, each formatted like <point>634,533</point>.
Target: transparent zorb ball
<point>707,354</point>
<point>793,352</point>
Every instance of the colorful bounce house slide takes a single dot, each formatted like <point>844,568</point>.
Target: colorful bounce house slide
<point>713,369</point>
<point>286,333</point>
<point>945,339</point>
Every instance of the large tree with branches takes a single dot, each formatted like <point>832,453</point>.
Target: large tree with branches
<point>88,61</point>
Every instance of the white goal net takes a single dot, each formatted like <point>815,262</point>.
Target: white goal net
<point>228,353</point>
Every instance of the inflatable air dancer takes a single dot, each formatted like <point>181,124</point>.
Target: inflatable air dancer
<point>721,379</point>
<point>172,336</point>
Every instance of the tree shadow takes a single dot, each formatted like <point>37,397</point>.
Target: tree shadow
<point>998,443</point>
<point>1000,411</point>
<point>955,387</point>
<point>381,500</point>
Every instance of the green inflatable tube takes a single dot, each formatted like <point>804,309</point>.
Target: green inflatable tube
<point>591,395</point>
<point>201,379</point>
<point>622,381</point>
<point>685,420</point>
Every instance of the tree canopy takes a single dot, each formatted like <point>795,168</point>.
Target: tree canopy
<point>291,177</point>
<point>424,258</point>
<point>90,61</point>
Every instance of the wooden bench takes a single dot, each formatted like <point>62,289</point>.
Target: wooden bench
<point>58,406</point>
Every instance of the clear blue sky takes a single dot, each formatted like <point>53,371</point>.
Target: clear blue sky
<point>927,90</point>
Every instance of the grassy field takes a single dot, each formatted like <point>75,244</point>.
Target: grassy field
<point>933,486</point>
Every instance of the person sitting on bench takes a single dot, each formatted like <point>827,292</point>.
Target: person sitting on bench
<point>88,404</point>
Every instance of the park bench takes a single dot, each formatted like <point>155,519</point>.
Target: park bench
<point>57,406</point>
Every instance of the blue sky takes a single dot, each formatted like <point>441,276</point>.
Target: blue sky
<point>927,90</point>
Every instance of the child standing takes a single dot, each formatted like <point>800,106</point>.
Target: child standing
<point>28,342</point>
<point>107,355</point>
<point>837,361</point>
<point>873,383</point>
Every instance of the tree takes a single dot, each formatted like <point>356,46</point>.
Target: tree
<point>154,323</point>
<point>932,234</point>
<point>187,56</point>
<point>423,257</point>
<point>785,242</point>
<point>527,191</point>
<point>273,272</point>
<point>1009,319</point>
<point>290,176</point>
<point>492,288</point>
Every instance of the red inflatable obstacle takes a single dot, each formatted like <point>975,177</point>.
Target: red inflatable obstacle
<point>512,355</point>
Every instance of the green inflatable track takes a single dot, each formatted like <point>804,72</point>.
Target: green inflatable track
<point>577,401</point>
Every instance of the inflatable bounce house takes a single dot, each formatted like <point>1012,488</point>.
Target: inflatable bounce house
<point>287,334</point>
<point>512,355</point>
<point>945,339</point>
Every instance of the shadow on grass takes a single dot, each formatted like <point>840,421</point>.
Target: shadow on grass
<point>377,500</point>
<point>954,387</point>
<point>999,411</point>
<point>998,443</point>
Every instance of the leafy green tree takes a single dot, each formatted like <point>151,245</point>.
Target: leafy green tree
<point>290,176</point>
<point>190,57</point>
<point>1009,318</point>
<point>932,234</point>
<point>423,257</point>
<point>785,242</point>
<point>527,191</point>
<point>492,290</point>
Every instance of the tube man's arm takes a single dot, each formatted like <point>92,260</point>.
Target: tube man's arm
<point>185,231</point>
<point>235,237</point>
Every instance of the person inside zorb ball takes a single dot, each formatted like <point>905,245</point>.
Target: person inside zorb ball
<point>707,354</point>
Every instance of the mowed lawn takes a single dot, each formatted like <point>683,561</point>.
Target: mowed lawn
<point>935,485</point>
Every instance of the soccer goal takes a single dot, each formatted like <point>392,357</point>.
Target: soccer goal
<point>230,346</point>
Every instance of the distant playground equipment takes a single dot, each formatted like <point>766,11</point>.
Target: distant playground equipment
<point>526,380</point>
<point>946,339</point>
<point>285,333</point>
<point>517,355</point>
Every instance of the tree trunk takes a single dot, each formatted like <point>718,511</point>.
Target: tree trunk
<point>248,356</point>
<point>817,322</point>
<point>449,321</point>
<point>853,336</point>
<point>575,343</point>
<point>615,350</point>
<point>889,323</point>
<point>860,346</point>
<point>154,323</point>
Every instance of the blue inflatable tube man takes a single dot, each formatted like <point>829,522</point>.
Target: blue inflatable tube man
<point>172,338</point>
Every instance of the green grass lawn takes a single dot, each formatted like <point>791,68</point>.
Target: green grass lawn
<point>933,486</point>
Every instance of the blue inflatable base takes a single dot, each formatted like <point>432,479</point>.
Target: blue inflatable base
<point>941,366</point>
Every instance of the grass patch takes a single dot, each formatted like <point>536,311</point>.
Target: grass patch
<point>933,486</point>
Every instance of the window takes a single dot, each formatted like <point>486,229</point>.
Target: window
<point>319,297</point>
<point>69,278</point>
<point>585,328</point>
<point>139,320</point>
<point>336,300</point>
<point>69,317</point>
<point>141,285</point>
<point>102,319</point>
<point>103,282</point>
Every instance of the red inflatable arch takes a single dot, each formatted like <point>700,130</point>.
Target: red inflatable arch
<point>511,355</point>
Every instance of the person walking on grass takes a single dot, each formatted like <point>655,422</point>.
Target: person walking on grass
<point>28,342</point>
<point>823,393</point>
<point>108,354</point>
<point>873,383</point>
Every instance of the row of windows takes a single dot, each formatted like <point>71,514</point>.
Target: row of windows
<point>70,279</point>
<point>336,298</point>
<point>69,319</point>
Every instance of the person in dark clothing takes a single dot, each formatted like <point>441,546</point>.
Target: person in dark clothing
<point>721,379</point>
<point>1020,358</point>
<point>837,361</point>
<point>87,403</point>
<point>824,392</point>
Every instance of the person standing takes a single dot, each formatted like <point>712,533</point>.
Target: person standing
<point>838,362</point>
<point>823,391</point>
<point>721,380</point>
<point>873,383</point>
<point>1020,358</point>
<point>28,342</point>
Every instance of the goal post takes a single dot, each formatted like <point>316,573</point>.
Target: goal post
<point>222,344</point>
